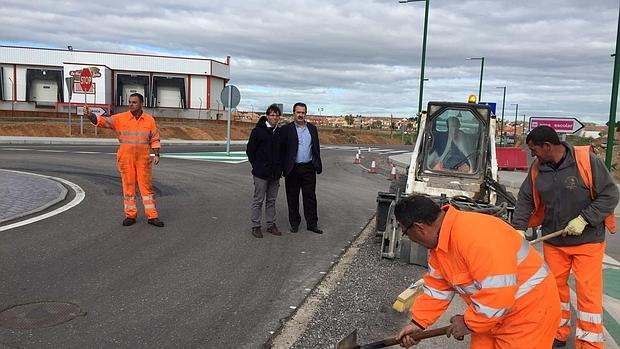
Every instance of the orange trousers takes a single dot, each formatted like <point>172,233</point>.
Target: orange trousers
<point>532,326</point>
<point>137,170</point>
<point>586,262</point>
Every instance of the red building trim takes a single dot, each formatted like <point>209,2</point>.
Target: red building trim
<point>189,91</point>
<point>113,99</point>
<point>14,82</point>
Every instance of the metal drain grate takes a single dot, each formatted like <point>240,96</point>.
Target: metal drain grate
<point>38,315</point>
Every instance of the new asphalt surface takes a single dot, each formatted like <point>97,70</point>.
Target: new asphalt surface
<point>357,292</point>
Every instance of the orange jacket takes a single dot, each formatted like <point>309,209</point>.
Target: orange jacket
<point>136,136</point>
<point>491,266</point>
<point>582,157</point>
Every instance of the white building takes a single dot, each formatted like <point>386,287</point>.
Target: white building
<point>35,79</point>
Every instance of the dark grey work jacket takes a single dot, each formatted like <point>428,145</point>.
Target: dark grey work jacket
<point>566,196</point>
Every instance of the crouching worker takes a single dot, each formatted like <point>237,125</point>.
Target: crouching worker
<point>511,296</point>
<point>138,135</point>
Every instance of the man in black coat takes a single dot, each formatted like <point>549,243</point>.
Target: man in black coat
<point>301,163</point>
<point>264,154</point>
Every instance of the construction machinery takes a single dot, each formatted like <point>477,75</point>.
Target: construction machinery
<point>453,161</point>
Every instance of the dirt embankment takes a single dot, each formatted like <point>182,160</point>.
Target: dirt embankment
<point>204,130</point>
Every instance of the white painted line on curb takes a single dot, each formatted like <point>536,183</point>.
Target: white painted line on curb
<point>79,196</point>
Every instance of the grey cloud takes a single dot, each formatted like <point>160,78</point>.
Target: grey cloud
<point>360,57</point>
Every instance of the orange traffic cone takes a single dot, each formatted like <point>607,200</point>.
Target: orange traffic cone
<point>359,152</point>
<point>357,159</point>
<point>393,173</point>
<point>373,167</point>
<point>369,150</point>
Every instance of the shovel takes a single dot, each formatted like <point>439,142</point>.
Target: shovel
<point>350,341</point>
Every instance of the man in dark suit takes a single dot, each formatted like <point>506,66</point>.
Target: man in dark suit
<point>301,163</point>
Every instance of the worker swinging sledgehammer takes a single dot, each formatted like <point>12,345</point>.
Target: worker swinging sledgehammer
<point>137,134</point>
<point>511,294</point>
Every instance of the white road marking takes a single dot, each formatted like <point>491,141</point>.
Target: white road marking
<point>52,151</point>
<point>87,152</point>
<point>79,196</point>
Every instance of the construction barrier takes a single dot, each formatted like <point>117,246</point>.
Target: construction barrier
<point>373,167</point>
<point>393,176</point>
<point>357,159</point>
<point>511,158</point>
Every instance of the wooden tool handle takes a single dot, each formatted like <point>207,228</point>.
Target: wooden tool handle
<point>547,237</point>
<point>419,335</point>
<point>431,333</point>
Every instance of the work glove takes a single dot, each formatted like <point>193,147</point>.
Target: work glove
<point>522,233</point>
<point>575,226</point>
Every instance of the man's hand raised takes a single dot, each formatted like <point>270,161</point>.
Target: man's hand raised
<point>90,115</point>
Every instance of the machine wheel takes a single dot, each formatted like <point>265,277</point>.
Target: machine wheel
<point>391,237</point>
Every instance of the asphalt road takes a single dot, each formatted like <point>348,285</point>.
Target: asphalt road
<point>202,281</point>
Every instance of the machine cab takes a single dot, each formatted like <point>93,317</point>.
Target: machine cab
<point>456,138</point>
<point>453,153</point>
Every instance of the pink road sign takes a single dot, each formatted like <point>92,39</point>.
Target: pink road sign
<point>561,125</point>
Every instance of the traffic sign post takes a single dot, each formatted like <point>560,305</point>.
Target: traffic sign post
<point>230,97</point>
<point>560,125</point>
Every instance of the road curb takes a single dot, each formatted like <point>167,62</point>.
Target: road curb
<point>62,194</point>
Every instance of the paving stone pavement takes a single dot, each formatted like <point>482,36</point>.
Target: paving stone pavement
<point>23,193</point>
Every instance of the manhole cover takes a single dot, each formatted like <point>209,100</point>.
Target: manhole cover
<point>38,315</point>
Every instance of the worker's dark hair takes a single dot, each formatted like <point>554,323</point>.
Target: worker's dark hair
<point>300,104</point>
<point>273,109</point>
<point>140,97</point>
<point>541,134</point>
<point>416,209</point>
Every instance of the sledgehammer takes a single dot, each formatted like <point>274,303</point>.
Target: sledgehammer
<point>350,341</point>
<point>547,237</point>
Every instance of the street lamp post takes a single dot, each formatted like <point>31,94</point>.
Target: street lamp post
<point>481,72</point>
<point>523,133</point>
<point>423,50</point>
<point>501,126</point>
<point>614,102</point>
<point>516,114</point>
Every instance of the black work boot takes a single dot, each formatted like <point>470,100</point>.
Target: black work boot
<point>156,222</point>
<point>129,221</point>
<point>274,230</point>
<point>257,232</point>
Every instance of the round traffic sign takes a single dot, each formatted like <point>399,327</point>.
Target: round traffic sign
<point>234,93</point>
<point>86,80</point>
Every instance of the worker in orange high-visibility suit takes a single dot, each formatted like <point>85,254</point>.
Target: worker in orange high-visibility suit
<point>512,300</point>
<point>138,134</point>
<point>570,189</point>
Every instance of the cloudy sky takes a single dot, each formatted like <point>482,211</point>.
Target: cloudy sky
<point>359,57</point>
